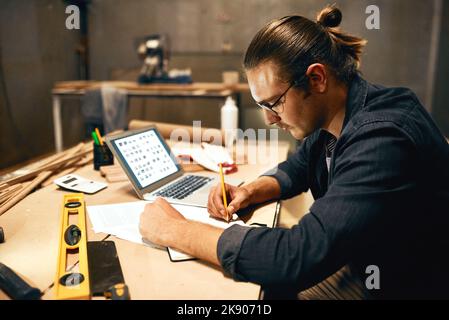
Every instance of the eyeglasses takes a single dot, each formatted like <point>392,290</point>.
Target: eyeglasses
<point>269,107</point>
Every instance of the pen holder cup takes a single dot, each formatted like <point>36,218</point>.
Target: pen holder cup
<point>102,156</point>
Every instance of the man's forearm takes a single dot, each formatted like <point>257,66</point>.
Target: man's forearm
<point>195,238</point>
<point>200,240</point>
<point>263,189</point>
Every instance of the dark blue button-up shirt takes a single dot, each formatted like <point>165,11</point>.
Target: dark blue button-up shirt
<point>383,202</point>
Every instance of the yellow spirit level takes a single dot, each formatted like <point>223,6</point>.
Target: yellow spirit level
<point>72,275</point>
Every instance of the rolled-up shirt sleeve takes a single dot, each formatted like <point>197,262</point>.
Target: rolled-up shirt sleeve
<point>370,185</point>
<point>228,249</point>
<point>272,257</point>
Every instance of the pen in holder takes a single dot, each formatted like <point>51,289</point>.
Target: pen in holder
<point>102,156</point>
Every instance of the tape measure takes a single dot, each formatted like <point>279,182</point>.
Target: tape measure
<point>72,280</point>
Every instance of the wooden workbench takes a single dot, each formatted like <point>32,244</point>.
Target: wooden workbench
<point>32,230</point>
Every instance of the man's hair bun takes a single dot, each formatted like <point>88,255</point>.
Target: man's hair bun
<point>329,17</point>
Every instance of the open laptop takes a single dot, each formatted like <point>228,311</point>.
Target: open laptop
<point>155,172</point>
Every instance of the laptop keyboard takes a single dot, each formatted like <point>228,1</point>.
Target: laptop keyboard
<point>183,187</point>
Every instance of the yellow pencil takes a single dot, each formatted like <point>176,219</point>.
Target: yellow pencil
<point>100,139</point>
<point>223,190</point>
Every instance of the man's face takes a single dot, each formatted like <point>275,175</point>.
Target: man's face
<point>301,115</point>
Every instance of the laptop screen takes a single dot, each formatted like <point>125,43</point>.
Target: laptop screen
<point>146,156</point>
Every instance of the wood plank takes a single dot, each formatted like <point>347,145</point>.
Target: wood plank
<point>75,153</point>
<point>166,129</point>
<point>62,87</point>
<point>44,175</point>
<point>69,168</point>
<point>23,193</point>
<point>4,196</point>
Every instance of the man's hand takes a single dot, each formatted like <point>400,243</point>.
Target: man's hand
<point>156,220</point>
<point>260,190</point>
<point>238,198</point>
<point>163,225</point>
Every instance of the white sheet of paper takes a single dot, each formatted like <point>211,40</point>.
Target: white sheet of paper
<point>206,155</point>
<point>122,221</point>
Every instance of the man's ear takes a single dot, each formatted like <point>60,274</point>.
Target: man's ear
<point>317,75</point>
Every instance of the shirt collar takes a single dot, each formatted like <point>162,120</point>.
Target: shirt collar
<point>358,90</point>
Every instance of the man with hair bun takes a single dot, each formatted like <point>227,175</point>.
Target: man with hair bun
<point>374,160</point>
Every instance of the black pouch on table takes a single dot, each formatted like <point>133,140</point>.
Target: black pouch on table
<point>104,266</point>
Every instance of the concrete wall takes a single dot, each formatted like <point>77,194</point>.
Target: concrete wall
<point>397,54</point>
<point>37,50</point>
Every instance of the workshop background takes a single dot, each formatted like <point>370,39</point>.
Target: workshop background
<point>410,49</point>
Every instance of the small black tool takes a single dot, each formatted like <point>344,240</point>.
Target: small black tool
<point>15,287</point>
<point>104,266</point>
